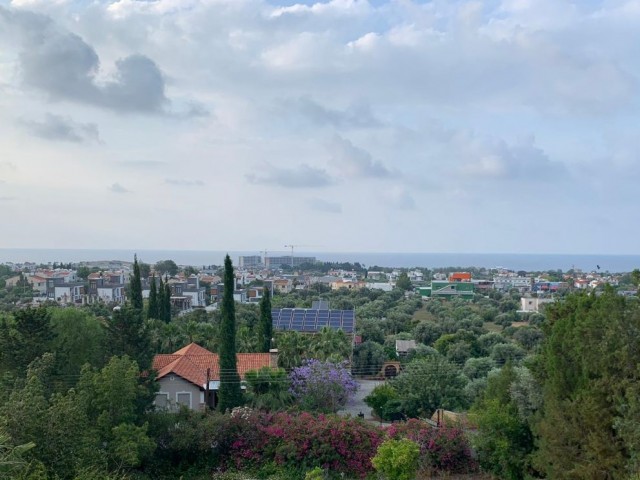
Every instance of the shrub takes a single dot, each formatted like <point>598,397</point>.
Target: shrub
<point>380,397</point>
<point>397,459</point>
<point>443,449</point>
<point>322,386</point>
<point>303,441</point>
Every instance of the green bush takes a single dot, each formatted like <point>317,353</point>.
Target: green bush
<point>380,397</point>
<point>397,459</point>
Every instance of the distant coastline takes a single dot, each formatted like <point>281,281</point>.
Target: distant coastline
<point>527,262</point>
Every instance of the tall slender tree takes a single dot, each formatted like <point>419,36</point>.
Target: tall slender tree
<point>230,394</point>
<point>166,309</point>
<point>152,312</point>
<point>161,303</point>
<point>135,289</point>
<point>266,322</point>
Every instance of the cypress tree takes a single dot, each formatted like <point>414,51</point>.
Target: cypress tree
<point>167,301</point>
<point>266,322</point>
<point>161,302</point>
<point>136,286</point>
<point>153,300</point>
<point>230,394</point>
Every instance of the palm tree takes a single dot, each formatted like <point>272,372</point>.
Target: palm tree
<point>330,344</point>
<point>292,349</point>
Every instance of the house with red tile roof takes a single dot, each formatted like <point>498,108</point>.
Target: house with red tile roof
<point>191,376</point>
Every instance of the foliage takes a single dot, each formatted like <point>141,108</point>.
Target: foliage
<point>403,282</point>
<point>590,371</point>
<point>381,396</point>
<point>166,267</point>
<point>78,338</point>
<point>428,384</point>
<point>229,394</point>
<point>368,358</point>
<point>266,322</point>
<point>126,334</point>
<point>135,286</point>
<point>153,310</point>
<point>397,459</point>
<point>322,386</point>
<point>303,441</point>
<point>268,388</point>
<point>24,336</point>
<point>504,440</point>
<point>12,458</point>
<point>442,450</point>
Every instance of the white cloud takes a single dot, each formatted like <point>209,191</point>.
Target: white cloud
<point>319,108</point>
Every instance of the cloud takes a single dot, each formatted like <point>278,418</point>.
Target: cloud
<point>302,176</point>
<point>140,163</point>
<point>355,162</point>
<point>184,183</point>
<point>8,167</point>
<point>355,116</point>
<point>7,199</point>
<point>117,188</point>
<point>322,205</point>
<point>399,198</point>
<point>56,127</point>
<point>62,65</point>
<point>520,161</point>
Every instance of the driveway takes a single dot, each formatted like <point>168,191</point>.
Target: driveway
<point>357,405</point>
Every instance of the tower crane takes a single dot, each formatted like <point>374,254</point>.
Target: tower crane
<point>292,247</point>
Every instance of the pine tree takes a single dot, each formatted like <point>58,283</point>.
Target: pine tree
<point>266,322</point>
<point>230,394</point>
<point>153,300</point>
<point>136,286</point>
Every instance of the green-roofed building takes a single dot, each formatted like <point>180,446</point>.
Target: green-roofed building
<point>445,289</point>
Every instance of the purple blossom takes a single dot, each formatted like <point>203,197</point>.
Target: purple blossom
<point>322,386</point>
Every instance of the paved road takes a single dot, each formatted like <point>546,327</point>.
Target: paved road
<point>357,405</point>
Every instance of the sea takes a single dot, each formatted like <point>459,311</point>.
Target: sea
<point>198,258</point>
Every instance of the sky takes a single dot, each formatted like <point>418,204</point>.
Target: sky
<point>344,125</point>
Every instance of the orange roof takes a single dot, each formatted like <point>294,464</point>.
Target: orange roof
<point>191,363</point>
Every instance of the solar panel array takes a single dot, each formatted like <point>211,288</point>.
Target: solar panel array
<point>313,320</point>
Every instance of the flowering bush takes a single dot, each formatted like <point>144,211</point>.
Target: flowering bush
<point>443,449</point>
<point>303,441</point>
<point>322,386</point>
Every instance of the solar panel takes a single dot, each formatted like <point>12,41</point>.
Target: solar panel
<point>312,320</point>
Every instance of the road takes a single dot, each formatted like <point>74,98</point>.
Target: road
<point>357,405</point>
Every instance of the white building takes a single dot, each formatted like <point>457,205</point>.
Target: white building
<point>533,304</point>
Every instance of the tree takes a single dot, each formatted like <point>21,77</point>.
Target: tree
<point>145,270</point>
<point>368,358</point>
<point>504,439</point>
<point>135,287</point>
<point>403,282</point>
<point>153,310</point>
<point>229,394</point>
<point>428,384</point>
<point>24,337</point>
<point>589,367</point>
<point>269,388</point>
<point>127,335</point>
<point>330,344</point>
<point>78,338</point>
<point>168,267</point>
<point>166,301</point>
<point>266,322</point>
<point>322,386</point>
<point>292,347</point>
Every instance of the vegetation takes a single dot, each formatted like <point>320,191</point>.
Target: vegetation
<point>551,395</point>
<point>229,394</point>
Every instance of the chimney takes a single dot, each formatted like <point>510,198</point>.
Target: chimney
<point>273,358</point>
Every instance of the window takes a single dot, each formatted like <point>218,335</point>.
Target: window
<point>184,398</point>
<point>162,400</point>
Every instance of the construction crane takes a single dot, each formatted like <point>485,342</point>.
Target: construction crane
<point>292,247</point>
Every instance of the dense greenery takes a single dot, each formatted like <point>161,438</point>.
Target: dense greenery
<point>551,395</point>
